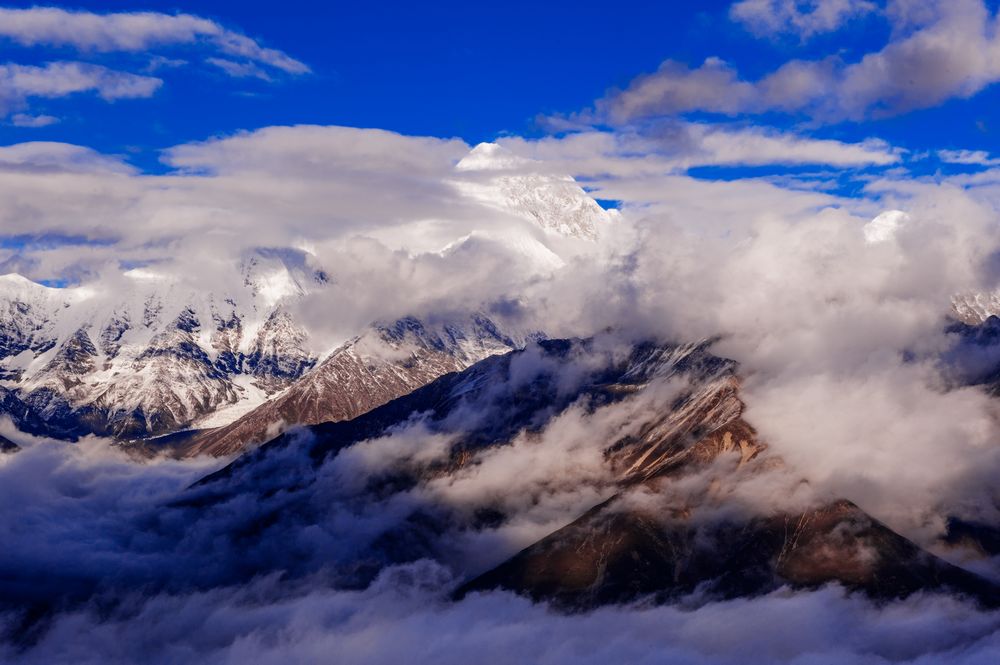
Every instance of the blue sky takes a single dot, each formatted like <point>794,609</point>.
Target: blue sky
<point>471,70</point>
<point>445,69</point>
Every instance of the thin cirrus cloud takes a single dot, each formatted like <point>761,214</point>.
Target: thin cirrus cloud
<point>90,33</point>
<point>28,120</point>
<point>946,50</point>
<point>239,69</point>
<point>133,32</point>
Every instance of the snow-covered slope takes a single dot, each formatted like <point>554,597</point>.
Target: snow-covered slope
<point>153,356</point>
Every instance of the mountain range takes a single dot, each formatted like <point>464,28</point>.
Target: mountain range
<point>153,355</point>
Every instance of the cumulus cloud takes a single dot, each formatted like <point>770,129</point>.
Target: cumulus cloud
<point>324,183</point>
<point>327,184</point>
<point>54,157</point>
<point>942,52</point>
<point>768,18</point>
<point>133,31</point>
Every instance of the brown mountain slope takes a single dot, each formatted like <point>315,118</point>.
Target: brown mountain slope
<point>371,370</point>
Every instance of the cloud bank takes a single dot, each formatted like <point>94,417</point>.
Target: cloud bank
<point>79,507</point>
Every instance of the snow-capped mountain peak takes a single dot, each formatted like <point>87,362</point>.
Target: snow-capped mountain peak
<point>884,226</point>
<point>492,157</point>
<point>14,280</point>
<point>500,179</point>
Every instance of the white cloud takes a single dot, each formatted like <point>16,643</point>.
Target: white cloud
<point>133,31</point>
<point>968,157</point>
<point>759,146</point>
<point>82,506</point>
<point>19,83</point>
<point>677,146</point>
<point>403,618</point>
<point>239,69</point>
<point>768,18</point>
<point>26,120</point>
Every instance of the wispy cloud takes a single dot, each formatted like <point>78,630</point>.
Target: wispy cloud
<point>26,120</point>
<point>770,18</point>
<point>134,32</point>
<point>19,83</point>
<point>968,157</point>
<point>91,34</point>
<point>239,69</point>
